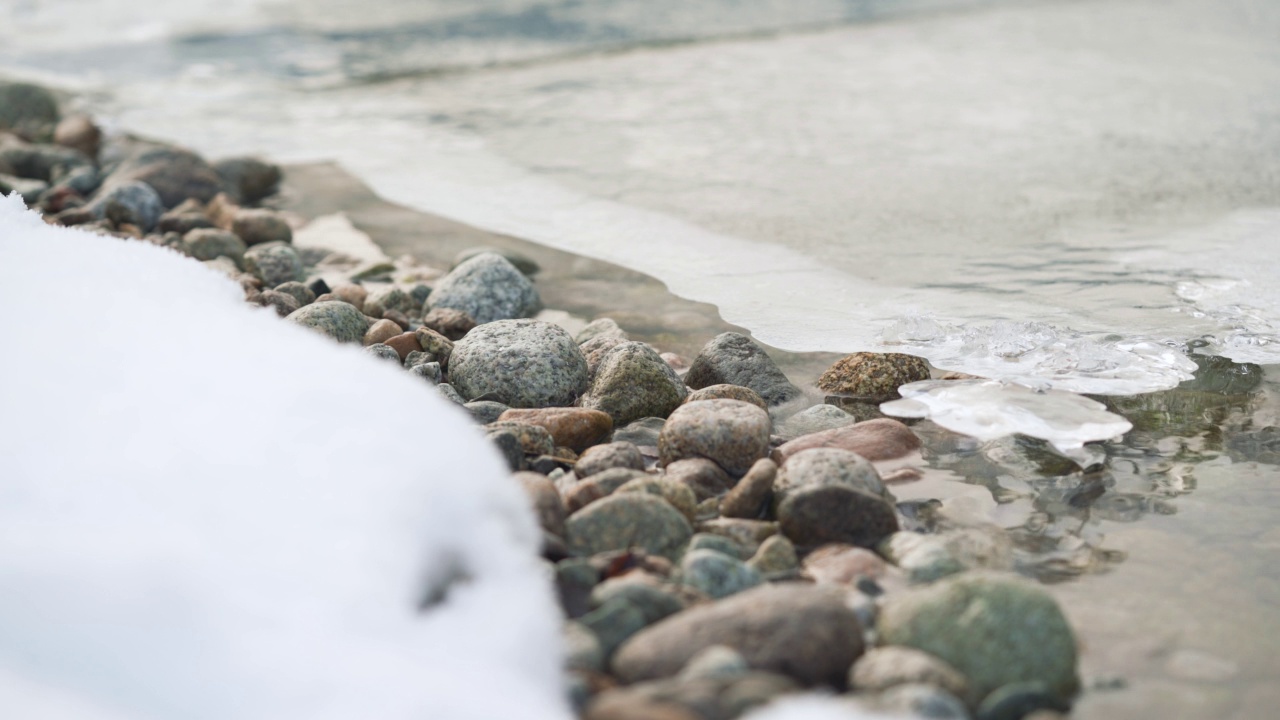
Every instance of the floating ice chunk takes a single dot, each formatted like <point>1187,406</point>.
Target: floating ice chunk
<point>988,409</point>
<point>219,514</point>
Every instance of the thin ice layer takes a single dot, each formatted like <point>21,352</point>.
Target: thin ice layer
<point>988,409</point>
<point>207,512</point>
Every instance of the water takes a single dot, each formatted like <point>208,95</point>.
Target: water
<point>1062,195</point>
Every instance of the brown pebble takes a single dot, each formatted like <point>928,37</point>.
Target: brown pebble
<point>452,324</point>
<point>78,133</point>
<point>436,344</point>
<point>351,293</point>
<point>545,499</point>
<point>379,332</point>
<point>728,392</point>
<point>875,440</point>
<point>283,303</point>
<point>753,492</point>
<point>839,564</point>
<point>397,317</point>
<point>704,477</point>
<point>574,428</point>
<point>404,343</point>
<point>260,226</point>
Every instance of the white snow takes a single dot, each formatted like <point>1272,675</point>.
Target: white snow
<point>988,409</point>
<point>207,512</point>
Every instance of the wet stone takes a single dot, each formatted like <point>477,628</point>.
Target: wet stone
<point>522,363</point>
<point>632,382</point>
<point>874,377</point>
<point>875,440</point>
<point>749,498</point>
<point>728,392</point>
<point>736,359</point>
<point>625,520</point>
<point>339,320</point>
<point>732,433</point>
<point>487,287</point>
<point>603,457</point>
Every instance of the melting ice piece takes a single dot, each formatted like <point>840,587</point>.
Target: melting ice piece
<point>988,409</point>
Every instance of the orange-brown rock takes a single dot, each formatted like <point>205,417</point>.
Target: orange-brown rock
<point>881,439</point>
<point>574,428</point>
<point>380,332</point>
<point>839,564</point>
<point>404,343</point>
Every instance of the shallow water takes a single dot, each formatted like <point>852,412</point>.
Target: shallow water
<point>1060,194</point>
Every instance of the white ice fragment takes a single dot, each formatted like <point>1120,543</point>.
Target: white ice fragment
<point>335,232</point>
<point>989,409</point>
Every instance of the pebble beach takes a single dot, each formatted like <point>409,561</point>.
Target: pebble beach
<point>723,524</point>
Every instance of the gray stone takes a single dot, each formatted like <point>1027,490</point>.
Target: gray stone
<point>703,476</point>
<point>612,623</point>
<point>339,320</point>
<point>487,287</point>
<point>29,110</point>
<point>870,376</point>
<point>1019,700</point>
<point>261,226</point>
<point>884,667</point>
<point>50,163</point>
<point>803,631</point>
<point>582,649</point>
<point>383,352</point>
<point>1013,631</point>
<point>300,292</point>
<point>274,263</point>
<point>776,555</point>
<point>628,520</point>
<point>417,357</point>
<point>248,179</point>
<point>508,445</point>
<point>284,304</point>
<point>815,419</point>
<point>521,363</point>
<point>427,371</point>
<point>611,455</point>
<point>641,433</point>
<point>521,262</point>
<point>830,466</point>
<point>135,203</point>
<point>753,493</point>
<point>209,243</point>
<point>653,602</point>
<point>680,496</point>
<point>632,382</point>
<point>833,496</point>
<point>485,411</point>
<point>736,359</point>
<point>725,391</point>
<point>602,327</point>
<point>534,439</point>
<point>391,298</point>
<point>717,661</point>
<point>174,173</point>
<point>716,574</point>
<point>732,433</point>
<point>450,394</point>
<point>718,543</point>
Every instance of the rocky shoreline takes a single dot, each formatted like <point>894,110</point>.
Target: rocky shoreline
<point>718,535</point>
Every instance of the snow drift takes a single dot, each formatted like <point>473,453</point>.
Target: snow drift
<point>206,512</point>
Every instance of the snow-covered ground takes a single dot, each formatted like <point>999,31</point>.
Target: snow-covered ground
<point>207,512</point>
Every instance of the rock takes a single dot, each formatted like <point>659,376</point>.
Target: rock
<point>930,557</point>
<point>383,352</point>
<point>874,377</point>
<point>261,226</point>
<point>436,344</point>
<point>453,324</point>
<point>875,440</point>
<point>1019,700</point>
<point>509,447</point>
<point>632,382</point>
<point>79,133</point>
<point>802,631</point>
<point>815,419</point>
<point>380,332</point>
<point>736,359</point>
<point>210,243</point>
<point>303,294</point>
<point>133,203</point>
<point>747,532</point>
<point>718,543</point>
<point>838,564</point>
<point>50,163</point>
<point>595,349</point>
<point>753,493</point>
<point>274,263</point>
<point>921,701</point>
<point>487,287</point>
<point>625,520</point>
<point>284,304</point>
<point>522,363</point>
<point>581,648</point>
<point>776,555</point>
<point>679,496</point>
<point>430,372</point>
<point>623,704</point>
<point>717,661</point>
<point>603,457</point>
<point>404,343</point>
<point>545,499</point>
<point>28,110</point>
<point>533,439</point>
<point>833,496</point>
<point>612,623</point>
<point>248,179</point>
<point>642,433</point>
<point>585,492</point>
<point>728,392</point>
<point>391,298</point>
<point>339,320</point>
<point>174,173</point>
<point>601,327</point>
<point>1012,631</point>
<point>574,428</point>
<point>417,357</point>
<point>677,362</point>
<point>520,262</point>
<point>352,293</point>
<point>485,411</point>
<point>732,433</point>
<point>654,600</point>
<point>715,574</point>
<point>884,667</point>
<point>705,478</point>
<point>185,218</point>
<point>450,394</point>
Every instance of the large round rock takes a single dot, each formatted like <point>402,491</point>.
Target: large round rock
<point>996,629</point>
<point>487,287</point>
<point>736,359</point>
<point>520,363</point>
<point>339,320</point>
<point>828,495</point>
<point>803,631</point>
<point>733,433</point>
<point>628,520</point>
<point>632,381</point>
<point>274,263</point>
